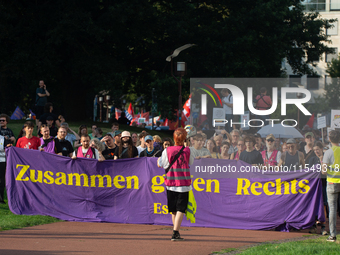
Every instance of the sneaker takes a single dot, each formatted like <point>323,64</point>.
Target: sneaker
<point>324,232</point>
<point>176,237</point>
<point>331,239</point>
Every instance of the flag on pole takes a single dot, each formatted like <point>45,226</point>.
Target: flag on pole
<point>128,115</point>
<point>187,107</point>
<point>18,114</point>
<point>117,112</point>
<point>130,111</point>
<point>311,121</point>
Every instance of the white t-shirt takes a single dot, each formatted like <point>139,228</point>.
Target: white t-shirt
<point>202,152</point>
<point>328,157</point>
<point>85,150</point>
<point>163,161</point>
<point>140,149</point>
<point>228,99</point>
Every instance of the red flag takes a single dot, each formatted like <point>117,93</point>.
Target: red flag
<point>118,112</point>
<point>311,121</point>
<point>130,110</point>
<point>187,107</point>
<point>166,122</point>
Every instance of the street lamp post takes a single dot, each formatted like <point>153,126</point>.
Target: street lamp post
<point>101,107</point>
<point>180,70</point>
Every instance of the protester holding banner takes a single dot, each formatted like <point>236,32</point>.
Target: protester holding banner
<point>47,141</point>
<point>332,160</point>
<point>150,150</point>
<point>85,151</point>
<point>197,151</point>
<point>126,148</point>
<point>28,141</point>
<point>292,159</point>
<point>65,145</point>
<point>176,160</point>
<point>142,145</point>
<point>109,152</point>
<point>250,155</point>
<point>271,156</point>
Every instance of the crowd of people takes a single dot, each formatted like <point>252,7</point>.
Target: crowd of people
<point>270,153</point>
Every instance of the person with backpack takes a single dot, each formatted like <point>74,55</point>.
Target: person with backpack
<point>85,151</point>
<point>176,160</point>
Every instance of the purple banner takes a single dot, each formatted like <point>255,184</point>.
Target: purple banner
<point>133,191</point>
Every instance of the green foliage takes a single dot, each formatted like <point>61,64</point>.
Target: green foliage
<point>82,47</point>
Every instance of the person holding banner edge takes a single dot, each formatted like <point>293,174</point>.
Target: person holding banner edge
<point>176,160</point>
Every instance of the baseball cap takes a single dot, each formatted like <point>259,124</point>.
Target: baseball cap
<point>309,134</point>
<point>148,137</point>
<point>117,133</point>
<point>291,141</point>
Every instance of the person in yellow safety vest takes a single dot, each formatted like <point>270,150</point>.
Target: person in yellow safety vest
<point>331,165</point>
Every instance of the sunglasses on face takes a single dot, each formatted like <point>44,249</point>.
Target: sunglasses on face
<point>2,120</point>
<point>270,140</point>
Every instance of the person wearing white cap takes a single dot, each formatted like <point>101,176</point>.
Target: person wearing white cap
<point>126,148</point>
<point>150,150</point>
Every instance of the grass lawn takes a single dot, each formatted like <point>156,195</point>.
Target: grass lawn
<point>304,247</point>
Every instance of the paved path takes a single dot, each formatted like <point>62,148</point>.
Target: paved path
<point>111,238</point>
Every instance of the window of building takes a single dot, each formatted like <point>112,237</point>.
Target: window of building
<point>330,56</point>
<point>334,5</point>
<point>312,82</point>
<point>334,29</point>
<point>314,5</point>
<point>294,81</point>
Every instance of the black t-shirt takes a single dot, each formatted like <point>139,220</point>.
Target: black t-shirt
<point>253,157</point>
<point>53,132</point>
<point>125,154</point>
<point>57,148</point>
<point>109,153</point>
<point>65,147</point>
<point>155,153</point>
<point>6,132</point>
<point>45,115</point>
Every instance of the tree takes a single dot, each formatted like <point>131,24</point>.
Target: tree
<point>83,47</point>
